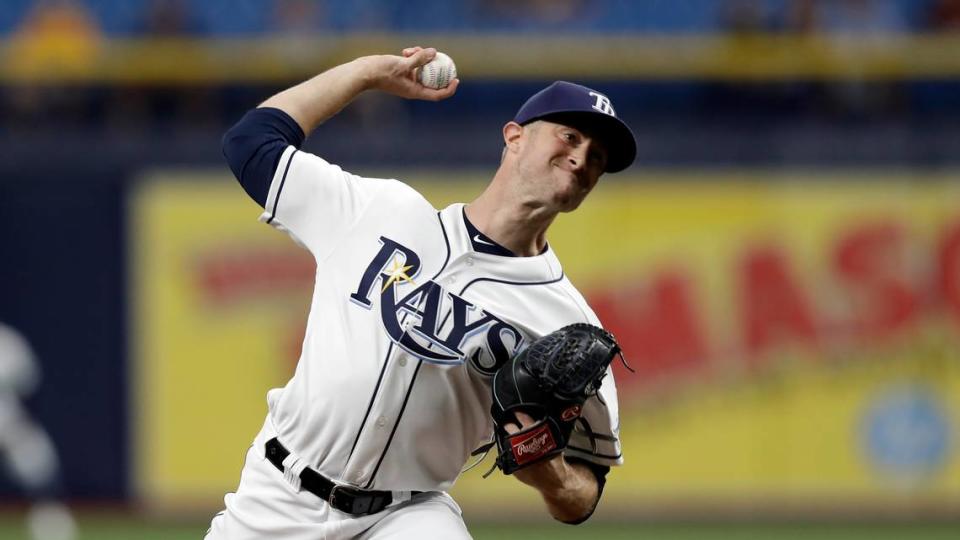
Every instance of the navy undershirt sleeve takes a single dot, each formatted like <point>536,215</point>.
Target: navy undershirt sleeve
<point>600,471</point>
<point>253,147</point>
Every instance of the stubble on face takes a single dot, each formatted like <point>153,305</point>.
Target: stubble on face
<point>546,179</point>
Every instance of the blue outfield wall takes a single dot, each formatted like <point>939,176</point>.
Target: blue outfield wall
<point>62,287</point>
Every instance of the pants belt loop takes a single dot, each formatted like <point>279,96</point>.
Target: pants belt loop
<point>292,467</point>
<point>401,496</point>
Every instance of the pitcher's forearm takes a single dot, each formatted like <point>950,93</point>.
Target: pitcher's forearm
<point>570,490</point>
<point>314,101</point>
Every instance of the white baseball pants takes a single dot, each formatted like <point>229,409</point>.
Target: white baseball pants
<point>266,505</point>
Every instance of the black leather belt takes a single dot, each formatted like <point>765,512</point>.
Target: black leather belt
<point>359,502</point>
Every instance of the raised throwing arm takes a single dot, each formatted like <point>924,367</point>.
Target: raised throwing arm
<point>312,102</point>
<point>254,145</point>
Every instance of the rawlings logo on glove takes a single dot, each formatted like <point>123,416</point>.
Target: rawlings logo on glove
<point>531,446</point>
<point>549,380</point>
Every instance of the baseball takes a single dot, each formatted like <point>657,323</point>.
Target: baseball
<point>438,72</point>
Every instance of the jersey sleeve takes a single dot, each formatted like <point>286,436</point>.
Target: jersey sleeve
<point>254,145</point>
<point>597,437</point>
<point>314,201</point>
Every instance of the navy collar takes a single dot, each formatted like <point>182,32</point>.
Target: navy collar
<point>482,243</point>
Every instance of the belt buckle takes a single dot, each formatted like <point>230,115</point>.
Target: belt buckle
<point>352,500</point>
<point>333,496</point>
<point>359,502</point>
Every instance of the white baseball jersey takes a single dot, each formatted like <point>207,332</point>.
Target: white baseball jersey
<point>407,325</point>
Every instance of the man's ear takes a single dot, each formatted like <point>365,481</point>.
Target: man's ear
<point>512,133</point>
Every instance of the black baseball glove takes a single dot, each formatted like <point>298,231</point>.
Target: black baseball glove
<point>550,380</point>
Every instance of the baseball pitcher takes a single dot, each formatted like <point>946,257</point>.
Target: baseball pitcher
<point>432,335</point>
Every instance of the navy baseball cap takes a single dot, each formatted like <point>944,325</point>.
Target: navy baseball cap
<point>575,105</point>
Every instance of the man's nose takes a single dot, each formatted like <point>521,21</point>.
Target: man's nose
<point>578,156</point>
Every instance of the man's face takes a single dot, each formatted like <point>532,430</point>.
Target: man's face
<point>559,164</point>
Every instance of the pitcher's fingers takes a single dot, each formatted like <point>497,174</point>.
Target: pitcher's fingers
<point>436,94</point>
<point>411,50</point>
<point>521,421</point>
<point>421,57</point>
<point>524,418</point>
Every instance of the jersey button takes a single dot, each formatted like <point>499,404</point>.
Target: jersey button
<point>402,361</point>
<point>382,421</point>
<point>469,261</point>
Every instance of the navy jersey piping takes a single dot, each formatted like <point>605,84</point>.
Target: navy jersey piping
<point>283,180</point>
<point>373,396</point>
<point>591,453</point>
<point>495,280</point>
<point>396,424</point>
<point>383,370</point>
<point>447,316</point>
<point>446,241</point>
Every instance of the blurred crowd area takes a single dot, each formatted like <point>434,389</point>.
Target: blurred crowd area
<point>246,17</point>
<point>700,116</point>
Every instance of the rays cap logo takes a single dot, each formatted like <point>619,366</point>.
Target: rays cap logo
<point>578,106</point>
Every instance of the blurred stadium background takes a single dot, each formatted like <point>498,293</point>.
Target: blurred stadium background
<point>782,263</point>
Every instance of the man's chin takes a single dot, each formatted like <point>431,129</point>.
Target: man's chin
<point>569,204</point>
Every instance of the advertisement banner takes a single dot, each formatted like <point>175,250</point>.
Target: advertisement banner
<point>219,306</point>
<point>793,338</point>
